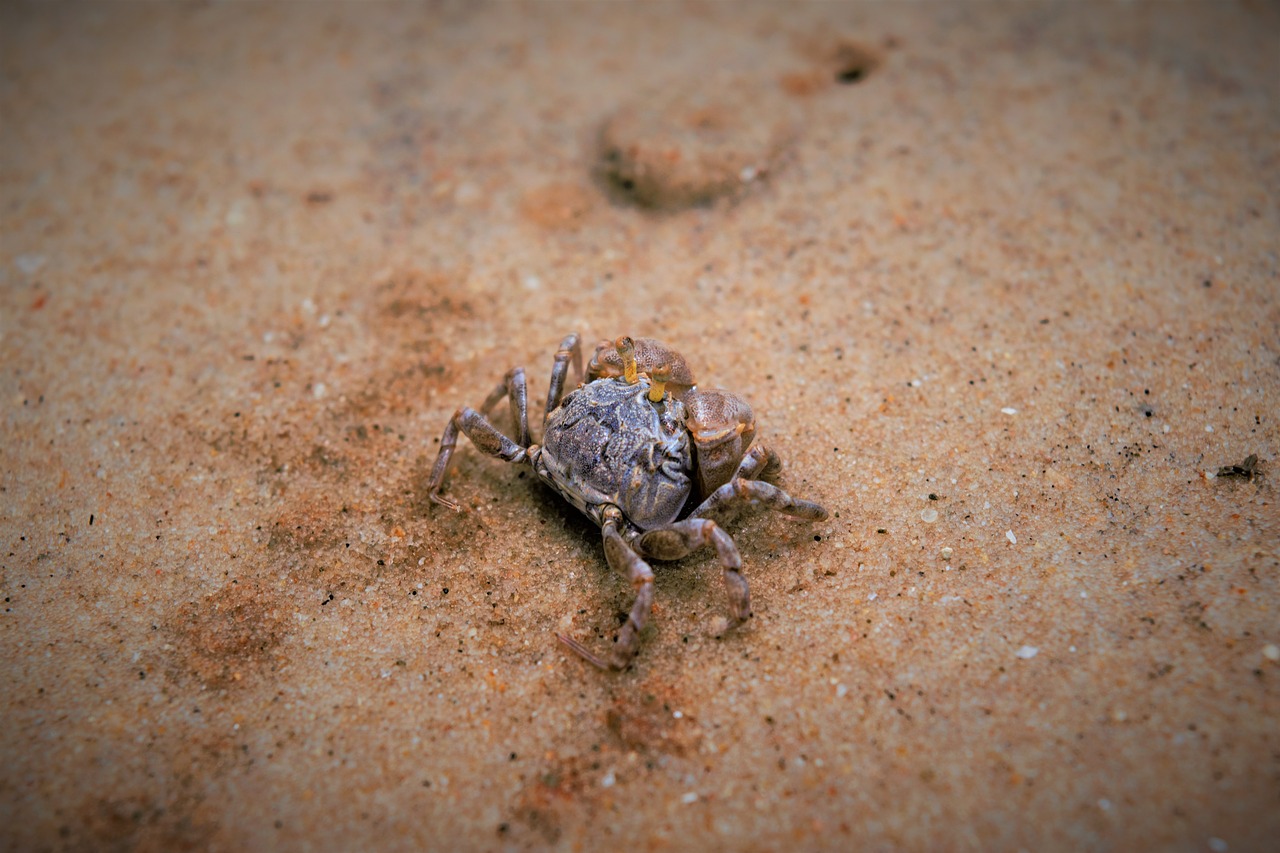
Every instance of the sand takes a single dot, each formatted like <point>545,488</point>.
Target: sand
<point>1000,282</point>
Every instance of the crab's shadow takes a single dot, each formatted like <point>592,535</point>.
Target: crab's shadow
<point>690,584</point>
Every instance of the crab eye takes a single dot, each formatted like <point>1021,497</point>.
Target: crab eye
<point>659,378</point>
<point>627,351</point>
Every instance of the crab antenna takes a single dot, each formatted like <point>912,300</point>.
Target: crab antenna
<point>659,378</point>
<point>627,350</point>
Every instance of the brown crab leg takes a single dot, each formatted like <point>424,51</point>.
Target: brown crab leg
<point>515,389</point>
<point>483,435</point>
<point>682,538</point>
<point>741,491</point>
<point>569,352</point>
<point>622,558</point>
<point>760,463</point>
<point>583,652</point>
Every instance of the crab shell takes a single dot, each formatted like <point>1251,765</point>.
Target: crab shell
<point>608,443</point>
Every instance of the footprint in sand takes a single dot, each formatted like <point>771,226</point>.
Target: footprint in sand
<point>693,145</point>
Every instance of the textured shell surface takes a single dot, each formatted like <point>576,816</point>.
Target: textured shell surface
<point>608,443</point>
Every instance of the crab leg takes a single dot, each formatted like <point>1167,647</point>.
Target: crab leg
<point>515,389</point>
<point>760,463</point>
<point>740,491</point>
<point>569,351</point>
<point>682,538</point>
<point>622,558</point>
<point>483,435</point>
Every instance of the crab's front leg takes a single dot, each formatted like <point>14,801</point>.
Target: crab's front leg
<point>741,492</point>
<point>622,558</point>
<point>681,538</point>
<point>760,463</point>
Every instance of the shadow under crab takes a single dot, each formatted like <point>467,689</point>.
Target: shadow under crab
<point>652,460</point>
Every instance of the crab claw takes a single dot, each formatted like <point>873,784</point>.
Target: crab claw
<point>722,426</point>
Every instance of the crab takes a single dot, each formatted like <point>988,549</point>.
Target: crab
<point>657,464</point>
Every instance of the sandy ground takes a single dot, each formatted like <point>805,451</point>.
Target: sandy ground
<point>1000,281</point>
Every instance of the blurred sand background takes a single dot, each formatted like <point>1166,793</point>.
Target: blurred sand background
<point>1001,282</point>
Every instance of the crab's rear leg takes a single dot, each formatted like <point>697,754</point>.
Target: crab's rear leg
<point>681,538</point>
<point>515,388</point>
<point>622,558</point>
<point>483,435</point>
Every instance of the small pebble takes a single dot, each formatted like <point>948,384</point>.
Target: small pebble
<point>1013,540</point>
<point>947,553</point>
<point>1027,652</point>
<point>688,798</point>
<point>1271,652</point>
<point>1009,410</point>
<point>929,516</point>
<point>235,214</point>
<point>29,264</point>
